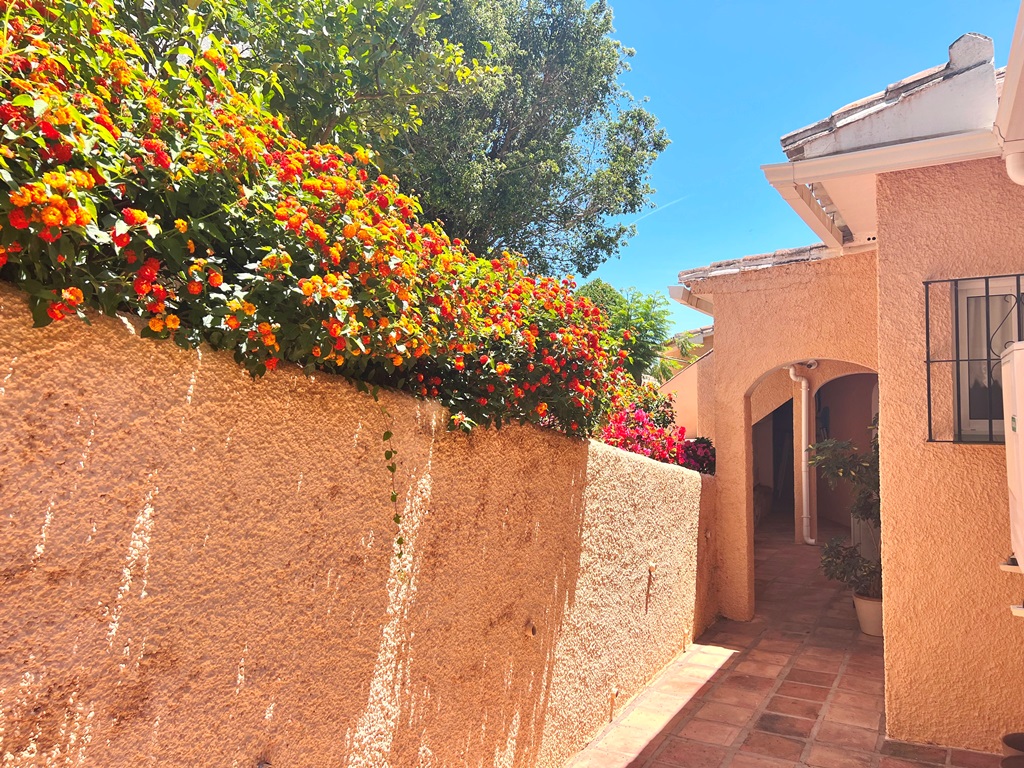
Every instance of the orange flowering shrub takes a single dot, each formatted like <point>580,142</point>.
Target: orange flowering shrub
<point>168,194</point>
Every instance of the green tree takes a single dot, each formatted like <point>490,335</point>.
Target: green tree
<point>645,317</point>
<point>601,294</point>
<point>351,72</point>
<point>549,156</point>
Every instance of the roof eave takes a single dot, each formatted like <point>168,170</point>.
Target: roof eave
<point>684,295</point>
<point>792,179</point>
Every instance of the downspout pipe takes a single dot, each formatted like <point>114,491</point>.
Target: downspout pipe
<point>805,440</point>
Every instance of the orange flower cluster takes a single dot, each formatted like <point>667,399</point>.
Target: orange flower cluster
<point>52,204</point>
<point>309,254</point>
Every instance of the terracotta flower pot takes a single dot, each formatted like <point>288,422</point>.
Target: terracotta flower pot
<point>869,614</point>
<point>1014,761</point>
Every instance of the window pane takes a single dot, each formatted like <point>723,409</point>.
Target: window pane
<point>984,386</point>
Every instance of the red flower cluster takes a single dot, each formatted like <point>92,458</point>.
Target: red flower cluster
<point>633,429</point>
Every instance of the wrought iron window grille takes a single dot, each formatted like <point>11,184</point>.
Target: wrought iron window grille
<point>968,324</point>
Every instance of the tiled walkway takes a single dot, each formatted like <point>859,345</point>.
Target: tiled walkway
<point>798,686</point>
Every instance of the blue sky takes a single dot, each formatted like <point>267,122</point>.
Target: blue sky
<point>727,79</point>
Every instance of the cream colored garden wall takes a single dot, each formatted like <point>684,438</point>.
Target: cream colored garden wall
<point>764,320</point>
<point>197,568</point>
<point>953,651</point>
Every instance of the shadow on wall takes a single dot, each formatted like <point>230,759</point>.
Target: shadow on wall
<point>197,569</point>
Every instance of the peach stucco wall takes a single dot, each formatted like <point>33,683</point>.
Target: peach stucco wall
<point>684,389</point>
<point>954,671</point>
<point>197,568</point>
<point>764,320</point>
<point>849,400</point>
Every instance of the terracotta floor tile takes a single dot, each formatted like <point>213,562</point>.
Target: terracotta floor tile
<point>818,663</point>
<point>899,762</point>
<point>709,662</point>
<point>736,697</point>
<point>802,691</point>
<point>964,758</point>
<point>649,718</point>
<point>811,677</point>
<point>841,734</point>
<point>859,700</point>
<point>771,745</point>
<point>625,740</point>
<point>768,657</point>
<point>709,732</point>
<point>683,753</point>
<point>862,718</point>
<point>759,668</point>
<point>771,722</point>
<point>865,666</point>
<point>920,752</point>
<point>750,760</point>
<point>825,653</point>
<point>827,756</point>
<point>794,707</point>
<point>680,685</point>
<point>725,713</point>
<point>600,758</point>
<point>698,672</point>
<point>749,682</point>
<point>779,646</point>
<point>861,684</point>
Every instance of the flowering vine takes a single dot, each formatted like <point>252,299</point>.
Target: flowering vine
<point>185,202</point>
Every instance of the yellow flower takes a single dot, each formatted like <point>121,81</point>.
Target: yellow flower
<point>173,321</point>
<point>156,325</point>
<point>181,226</point>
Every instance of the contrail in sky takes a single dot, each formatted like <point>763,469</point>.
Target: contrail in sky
<point>659,209</point>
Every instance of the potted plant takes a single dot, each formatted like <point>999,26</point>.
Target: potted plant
<point>838,461</point>
<point>845,563</point>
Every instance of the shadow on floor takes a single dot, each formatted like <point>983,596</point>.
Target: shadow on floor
<point>800,685</point>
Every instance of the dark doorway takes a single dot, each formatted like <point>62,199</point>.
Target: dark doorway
<point>783,498</point>
<point>772,439</point>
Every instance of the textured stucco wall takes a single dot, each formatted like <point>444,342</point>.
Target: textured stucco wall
<point>849,402</point>
<point>763,320</point>
<point>684,389</point>
<point>197,570</point>
<point>953,651</point>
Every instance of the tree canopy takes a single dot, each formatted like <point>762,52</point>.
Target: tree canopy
<point>353,72</point>
<point>537,150</point>
<point>549,155</point>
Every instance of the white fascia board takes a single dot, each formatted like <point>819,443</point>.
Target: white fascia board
<point>972,145</point>
<point>683,295</point>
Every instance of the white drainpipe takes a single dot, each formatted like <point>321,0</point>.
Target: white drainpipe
<point>805,440</point>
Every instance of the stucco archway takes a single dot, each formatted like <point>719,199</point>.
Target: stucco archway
<point>774,388</point>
